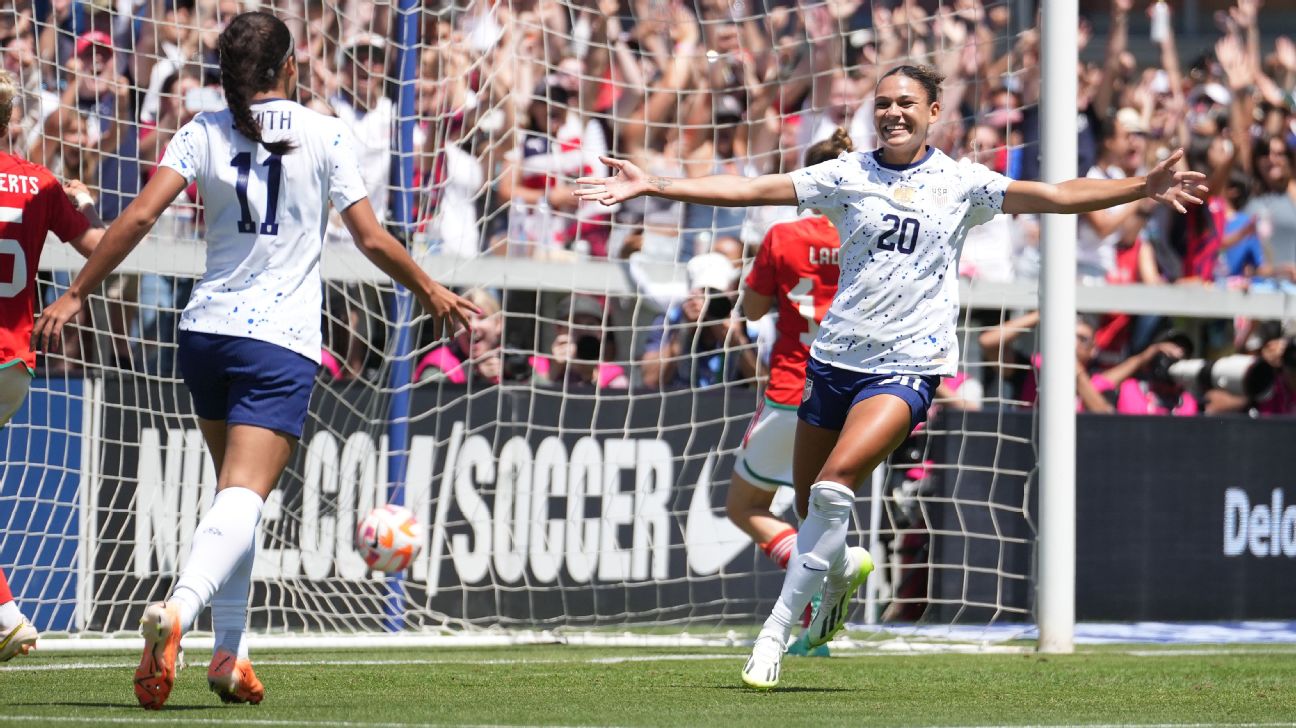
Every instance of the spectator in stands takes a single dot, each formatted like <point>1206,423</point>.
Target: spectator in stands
<point>1274,207</point>
<point>1005,349</point>
<point>1243,254</point>
<point>701,342</point>
<point>1100,234</point>
<point>711,148</point>
<point>580,348</point>
<point>167,39</point>
<point>450,175</point>
<point>553,148</point>
<point>1142,385</point>
<point>990,249</point>
<point>474,354</point>
<point>362,103</point>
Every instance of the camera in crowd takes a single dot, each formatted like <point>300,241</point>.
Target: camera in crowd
<point>720,305</point>
<point>589,347</point>
<point>1240,374</point>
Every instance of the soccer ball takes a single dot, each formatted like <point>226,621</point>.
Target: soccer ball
<point>389,538</point>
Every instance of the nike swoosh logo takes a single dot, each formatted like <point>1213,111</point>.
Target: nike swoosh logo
<point>811,568</point>
<point>711,541</point>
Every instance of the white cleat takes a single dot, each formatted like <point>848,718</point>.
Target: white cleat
<point>837,594</point>
<point>18,641</point>
<point>762,669</point>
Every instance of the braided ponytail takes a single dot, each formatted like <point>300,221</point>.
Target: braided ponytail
<point>253,50</point>
<point>831,148</point>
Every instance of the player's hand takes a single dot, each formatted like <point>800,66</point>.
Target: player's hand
<point>627,183</point>
<point>491,366</point>
<point>445,306</point>
<point>47,334</point>
<point>74,189</point>
<point>1173,188</point>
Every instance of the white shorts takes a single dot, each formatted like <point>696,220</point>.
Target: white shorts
<point>765,458</point>
<point>14,383</point>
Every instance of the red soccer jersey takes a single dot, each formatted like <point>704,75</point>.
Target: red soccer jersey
<point>32,204</point>
<point>798,266</point>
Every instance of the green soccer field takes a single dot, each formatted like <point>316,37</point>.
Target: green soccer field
<point>576,686</point>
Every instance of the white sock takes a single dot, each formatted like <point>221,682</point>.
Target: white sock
<point>821,548</point>
<point>10,616</point>
<point>229,608</point>
<point>224,537</point>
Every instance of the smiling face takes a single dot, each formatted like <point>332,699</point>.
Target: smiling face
<point>902,113</point>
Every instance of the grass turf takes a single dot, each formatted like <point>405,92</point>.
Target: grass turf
<point>547,685</point>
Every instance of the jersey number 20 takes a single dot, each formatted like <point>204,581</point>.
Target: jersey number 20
<point>274,165</point>
<point>908,230</point>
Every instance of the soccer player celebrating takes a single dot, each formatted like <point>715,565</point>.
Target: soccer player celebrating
<point>249,343</point>
<point>903,212</point>
<point>32,204</point>
<point>796,269</point>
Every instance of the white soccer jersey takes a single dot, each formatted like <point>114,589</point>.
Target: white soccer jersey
<point>265,220</point>
<point>896,308</point>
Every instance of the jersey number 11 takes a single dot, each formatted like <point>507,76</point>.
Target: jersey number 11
<point>243,162</point>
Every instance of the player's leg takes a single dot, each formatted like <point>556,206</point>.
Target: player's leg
<point>803,580</point>
<point>748,507</point>
<point>821,416</point>
<point>221,555</point>
<point>874,429</point>
<point>17,635</point>
<point>230,673</point>
<point>14,383</point>
<point>761,466</point>
<point>256,457</point>
<point>261,393</point>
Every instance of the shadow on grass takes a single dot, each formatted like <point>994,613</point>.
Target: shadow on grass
<point>116,706</point>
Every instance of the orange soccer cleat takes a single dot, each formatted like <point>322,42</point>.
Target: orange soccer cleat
<point>156,673</point>
<point>233,680</point>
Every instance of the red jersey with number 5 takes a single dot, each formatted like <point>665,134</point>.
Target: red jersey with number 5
<point>32,205</point>
<point>798,266</point>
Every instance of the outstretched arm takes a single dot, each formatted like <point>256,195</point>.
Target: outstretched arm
<point>121,238</point>
<point>1163,184</point>
<point>720,190</point>
<point>389,256</point>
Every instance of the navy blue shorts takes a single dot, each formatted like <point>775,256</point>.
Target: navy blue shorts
<point>831,392</point>
<point>246,381</point>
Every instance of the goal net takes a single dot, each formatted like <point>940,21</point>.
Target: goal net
<point>570,454</point>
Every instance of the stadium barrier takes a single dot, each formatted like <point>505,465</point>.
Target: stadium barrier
<point>1177,518</point>
<point>609,511</point>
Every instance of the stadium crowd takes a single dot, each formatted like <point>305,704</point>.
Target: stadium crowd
<point>516,99</point>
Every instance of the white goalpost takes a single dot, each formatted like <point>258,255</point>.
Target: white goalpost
<point>1057,531</point>
<point>571,492</point>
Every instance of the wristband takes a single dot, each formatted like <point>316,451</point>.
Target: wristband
<point>83,199</point>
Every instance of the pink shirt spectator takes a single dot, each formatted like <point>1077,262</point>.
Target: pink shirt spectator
<point>1136,399</point>
<point>1030,387</point>
<point>444,359</point>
